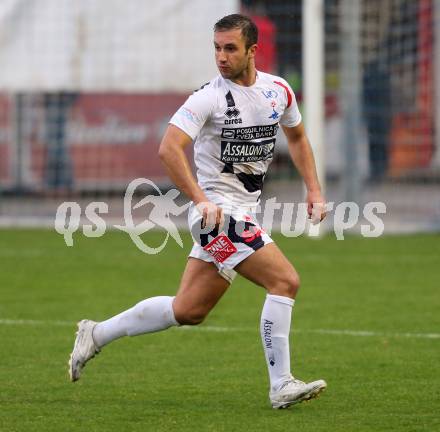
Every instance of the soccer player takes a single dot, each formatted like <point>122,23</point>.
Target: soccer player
<point>234,121</point>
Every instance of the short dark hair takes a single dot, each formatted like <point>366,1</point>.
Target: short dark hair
<point>236,21</point>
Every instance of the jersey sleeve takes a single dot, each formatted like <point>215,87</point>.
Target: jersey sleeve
<point>194,113</point>
<point>291,117</point>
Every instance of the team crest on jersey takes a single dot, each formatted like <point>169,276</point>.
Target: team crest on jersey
<point>269,94</point>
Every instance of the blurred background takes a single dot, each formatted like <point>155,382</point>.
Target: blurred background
<point>87,89</point>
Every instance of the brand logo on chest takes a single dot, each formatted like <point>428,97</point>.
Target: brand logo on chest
<point>232,112</point>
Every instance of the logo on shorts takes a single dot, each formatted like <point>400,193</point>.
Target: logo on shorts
<point>251,234</point>
<point>221,248</point>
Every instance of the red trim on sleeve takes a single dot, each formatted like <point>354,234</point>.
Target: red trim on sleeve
<point>289,95</point>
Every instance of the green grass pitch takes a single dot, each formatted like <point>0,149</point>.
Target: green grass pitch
<point>213,377</point>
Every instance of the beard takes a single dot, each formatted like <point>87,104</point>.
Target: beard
<point>237,71</point>
<point>233,73</point>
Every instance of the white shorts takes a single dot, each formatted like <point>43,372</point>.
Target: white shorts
<point>239,238</point>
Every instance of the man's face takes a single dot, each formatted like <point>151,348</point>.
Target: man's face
<point>231,55</point>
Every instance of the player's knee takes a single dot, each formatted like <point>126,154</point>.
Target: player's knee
<point>293,283</point>
<point>190,317</point>
<point>287,285</point>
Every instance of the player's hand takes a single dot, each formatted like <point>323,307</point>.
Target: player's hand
<point>212,215</point>
<point>316,208</point>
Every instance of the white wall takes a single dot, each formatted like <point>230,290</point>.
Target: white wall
<point>130,45</point>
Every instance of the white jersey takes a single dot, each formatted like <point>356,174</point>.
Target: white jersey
<point>234,128</point>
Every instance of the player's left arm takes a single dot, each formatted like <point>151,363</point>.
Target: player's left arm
<point>302,157</point>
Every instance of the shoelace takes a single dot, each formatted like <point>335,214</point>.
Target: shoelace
<point>293,380</point>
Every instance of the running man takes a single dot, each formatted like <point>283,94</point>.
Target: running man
<point>233,120</point>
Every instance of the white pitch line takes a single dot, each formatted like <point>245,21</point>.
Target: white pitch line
<point>35,322</point>
<point>371,333</point>
<point>359,333</point>
<point>219,329</point>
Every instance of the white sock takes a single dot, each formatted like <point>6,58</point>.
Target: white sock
<point>275,329</point>
<point>148,316</point>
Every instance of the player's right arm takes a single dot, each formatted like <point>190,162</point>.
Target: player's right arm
<point>184,127</point>
<point>172,154</point>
